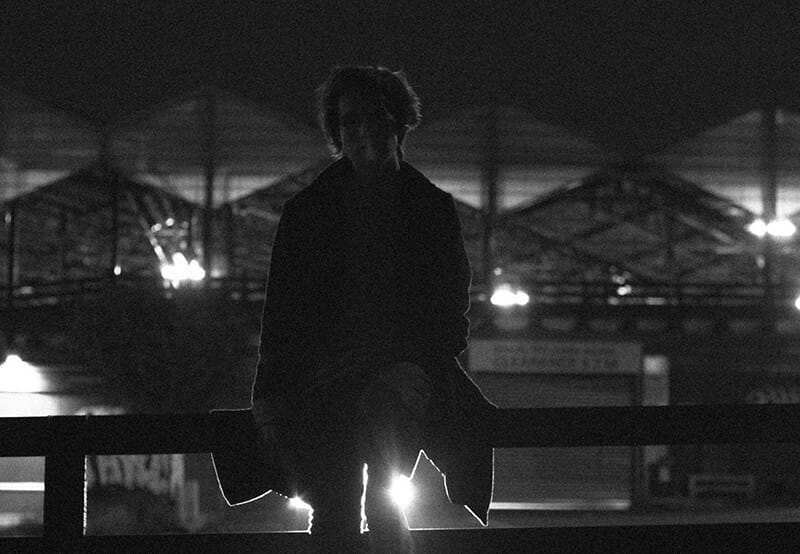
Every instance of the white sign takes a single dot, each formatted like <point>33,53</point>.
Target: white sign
<point>157,473</point>
<point>555,356</point>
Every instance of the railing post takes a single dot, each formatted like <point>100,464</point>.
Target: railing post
<point>64,484</point>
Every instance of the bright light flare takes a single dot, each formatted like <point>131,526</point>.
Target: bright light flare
<point>17,375</point>
<point>778,228</point>
<point>781,228</point>
<point>797,303</point>
<point>297,503</point>
<point>182,269</point>
<point>196,272</point>
<point>505,297</point>
<point>401,491</point>
<point>758,228</point>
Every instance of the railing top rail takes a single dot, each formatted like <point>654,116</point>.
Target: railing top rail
<point>509,428</point>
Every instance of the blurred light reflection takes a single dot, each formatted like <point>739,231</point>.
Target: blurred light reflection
<point>17,375</point>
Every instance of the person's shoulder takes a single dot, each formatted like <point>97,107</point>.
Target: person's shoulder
<point>320,187</point>
<point>422,187</point>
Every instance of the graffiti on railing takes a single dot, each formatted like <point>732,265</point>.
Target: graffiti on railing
<point>137,493</point>
<point>156,473</point>
<point>774,394</point>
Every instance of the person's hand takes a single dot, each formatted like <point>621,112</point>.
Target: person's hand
<point>269,415</point>
<point>266,417</point>
<point>268,410</point>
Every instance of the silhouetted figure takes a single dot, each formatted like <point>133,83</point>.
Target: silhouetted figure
<point>363,319</point>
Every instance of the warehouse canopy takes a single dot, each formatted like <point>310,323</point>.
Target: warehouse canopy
<point>733,159</point>
<point>40,144</point>
<point>245,227</point>
<point>630,225</point>
<point>212,132</point>
<point>91,223</point>
<point>528,156</point>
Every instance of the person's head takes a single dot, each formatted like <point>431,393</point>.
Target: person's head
<point>366,112</point>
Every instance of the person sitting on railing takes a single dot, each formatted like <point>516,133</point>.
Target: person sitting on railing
<point>364,316</point>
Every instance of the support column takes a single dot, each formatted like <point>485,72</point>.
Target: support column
<point>208,123</point>
<point>10,220</point>
<point>769,201</point>
<point>769,191</point>
<point>114,225</point>
<point>489,173</point>
<point>62,249</point>
<point>112,180</point>
<point>230,243</point>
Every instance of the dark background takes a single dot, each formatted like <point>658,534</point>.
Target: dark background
<point>633,77</point>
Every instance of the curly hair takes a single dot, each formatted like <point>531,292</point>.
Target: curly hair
<point>389,88</point>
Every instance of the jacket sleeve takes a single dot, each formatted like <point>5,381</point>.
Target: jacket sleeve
<point>277,372</point>
<point>433,323</point>
<point>452,280</point>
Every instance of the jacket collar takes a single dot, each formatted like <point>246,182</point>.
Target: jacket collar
<point>335,177</point>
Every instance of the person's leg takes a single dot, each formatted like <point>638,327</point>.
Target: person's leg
<point>386,522</point>
<point>336,520</point>
<point>332,477</point>
<point>391,410</point>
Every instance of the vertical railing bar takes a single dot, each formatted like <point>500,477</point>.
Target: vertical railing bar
<point>64,484</point>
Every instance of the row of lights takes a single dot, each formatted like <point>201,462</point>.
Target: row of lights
<point>777,228</point>
<point>179,269</point>
<point>182,270</point>
<point>506,296</point>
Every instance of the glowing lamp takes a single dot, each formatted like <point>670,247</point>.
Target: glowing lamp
<point>195,271</point>
<point>778,228</point>
<point>182,269</point>
<point>17,375</point>
<point>624,290</point>
<point>781,228</point>
<point>401,491</point>
<point>758,228</point>
<point>506,297</point>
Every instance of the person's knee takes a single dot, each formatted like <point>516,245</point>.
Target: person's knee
<point>404,388</point>
<point>377,403</point>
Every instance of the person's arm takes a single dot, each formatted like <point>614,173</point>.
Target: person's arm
<point>450,322</point>
<point>434,325</point>
<point>281,325</point>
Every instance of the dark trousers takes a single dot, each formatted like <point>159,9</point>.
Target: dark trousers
<point>336,432</point>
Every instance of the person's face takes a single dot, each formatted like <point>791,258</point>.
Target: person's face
<point>368,134</point>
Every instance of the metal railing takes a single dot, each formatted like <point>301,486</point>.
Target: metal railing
<point>64,441</point>
<point>544,292</point>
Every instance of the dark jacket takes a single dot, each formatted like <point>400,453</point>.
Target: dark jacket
<point>430,279</point>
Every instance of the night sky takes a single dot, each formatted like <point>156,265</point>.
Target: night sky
<point>633,79</point>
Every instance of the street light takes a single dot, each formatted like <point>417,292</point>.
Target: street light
<point>401,491</point>
<point>506,297</point>
<point>181,270</point>
<point>778,228</point>
<point>17,375</point>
